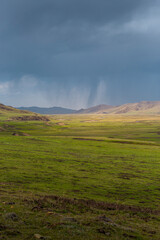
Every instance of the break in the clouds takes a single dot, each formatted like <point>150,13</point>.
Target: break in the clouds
<point>79,53</point>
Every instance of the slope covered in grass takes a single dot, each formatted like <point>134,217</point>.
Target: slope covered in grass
<point>8,113</point>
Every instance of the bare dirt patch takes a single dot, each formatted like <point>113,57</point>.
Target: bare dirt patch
<point>20,134</point>
<point>31,118</point>
<point>127,176</point>
<point>60,124</point>
<point>63,202</point>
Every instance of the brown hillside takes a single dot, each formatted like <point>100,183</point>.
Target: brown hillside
<point>9,113</point>
<point>5,108</point>
<point>145,107</point>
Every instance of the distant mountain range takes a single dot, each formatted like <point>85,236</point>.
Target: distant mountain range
<point>145,107</point>
<point>52,110</point>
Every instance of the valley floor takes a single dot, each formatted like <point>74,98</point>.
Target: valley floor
<point>80,177</point>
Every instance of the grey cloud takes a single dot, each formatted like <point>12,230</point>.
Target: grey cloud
<point>29,14</point>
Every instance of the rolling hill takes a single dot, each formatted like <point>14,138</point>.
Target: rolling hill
<point>11,110</point>
<point>4,108</point>
<point>11,113</point>
<point>144,107</point>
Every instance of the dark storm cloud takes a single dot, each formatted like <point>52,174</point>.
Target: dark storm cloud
<point>27,15</point>
<point>78,53</point>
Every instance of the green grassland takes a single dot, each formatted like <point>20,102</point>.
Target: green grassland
<point>86,177</point>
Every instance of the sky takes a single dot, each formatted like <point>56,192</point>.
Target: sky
<point>79,53</point>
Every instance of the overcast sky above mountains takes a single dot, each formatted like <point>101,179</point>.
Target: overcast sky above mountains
<point>78,53</point>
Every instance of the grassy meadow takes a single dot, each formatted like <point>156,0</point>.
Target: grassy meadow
<point>78,177</point>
